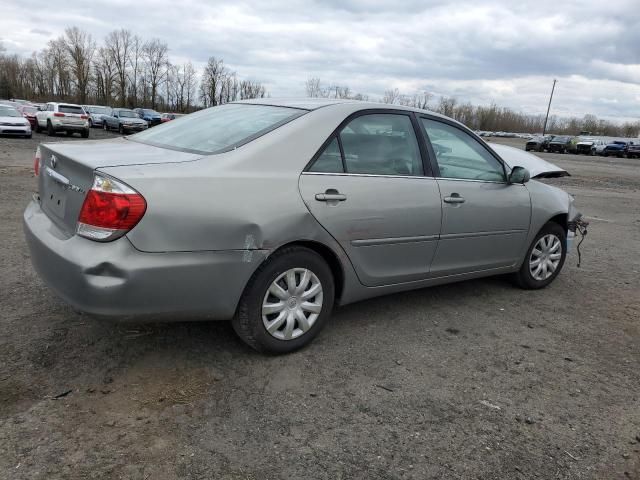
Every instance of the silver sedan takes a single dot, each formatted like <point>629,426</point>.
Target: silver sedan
<point>271,212</point>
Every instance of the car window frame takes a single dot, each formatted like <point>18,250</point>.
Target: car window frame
<point>424,153</point>
<point>432,154</point>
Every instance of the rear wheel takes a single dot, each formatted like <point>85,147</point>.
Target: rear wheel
<point>287,301</point>
<point>545,258</point>
<point>85,133</point>
<point>38,127</point>
<point>121,130</point>
<point>50,131</point>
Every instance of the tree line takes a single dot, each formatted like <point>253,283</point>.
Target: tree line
<point>124,70</point>
<point>482,117</point>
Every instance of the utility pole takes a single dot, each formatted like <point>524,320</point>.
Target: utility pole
<point>544,129</point>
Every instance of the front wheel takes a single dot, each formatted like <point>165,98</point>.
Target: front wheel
<point>287,301</point>
<point>545,258</point>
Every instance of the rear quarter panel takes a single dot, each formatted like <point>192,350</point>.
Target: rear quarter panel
<point>244,199</point>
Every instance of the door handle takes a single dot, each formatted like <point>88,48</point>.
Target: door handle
<point>331,195</point>
<point>454,198</point>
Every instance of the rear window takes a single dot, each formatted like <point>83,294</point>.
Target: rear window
<point>70,109</point>
<point>218,129</point>
<point>99,110</point>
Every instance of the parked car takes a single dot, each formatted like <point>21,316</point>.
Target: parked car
<point>538,144</point>
<point>167,117</point>
<point>598,147</point>
<point>9,103</point>
<point>563,144</point>
<point>62,117</point>
<point>13,123</point>
<point>633,150</point>
<point>124,121</point>
<point>269,212</point>
<point>617,148</point>
<point>95,114</point>
<point>152,117</point>
<point>29,112</point>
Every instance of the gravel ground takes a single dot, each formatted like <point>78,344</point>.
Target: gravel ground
<point>471,380</point>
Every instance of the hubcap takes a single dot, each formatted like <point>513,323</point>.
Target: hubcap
<point>292,304</point>
<point>545,257</point>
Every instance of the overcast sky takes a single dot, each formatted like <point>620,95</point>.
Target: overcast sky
<point>504,51</point>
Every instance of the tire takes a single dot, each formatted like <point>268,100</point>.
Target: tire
<point>248,321</point>
<point>38,127</point>
<point>28,136</point>
<point>50,131</point>
<point>105,127</point>
<point>90,123</point>
<point>525,278</point>
<point>121,130</point>
<point>68,133</point>
<point>85,133</point>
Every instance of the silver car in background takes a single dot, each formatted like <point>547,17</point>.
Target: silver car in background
<point>95,114</point>
<point>270,212</point>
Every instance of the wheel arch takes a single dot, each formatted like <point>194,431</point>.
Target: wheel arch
<point>329,256</point>
<point>561,219</point>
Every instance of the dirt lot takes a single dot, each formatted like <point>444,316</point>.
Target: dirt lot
<point>472,380</point>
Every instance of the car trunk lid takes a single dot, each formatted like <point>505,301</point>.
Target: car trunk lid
<point>67,168</point>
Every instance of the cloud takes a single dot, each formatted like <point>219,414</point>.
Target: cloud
<point>480,51</point>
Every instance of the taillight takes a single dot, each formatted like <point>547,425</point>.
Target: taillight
<point>58,114</point>
<point>36,162</point>
<point>110,209</point>
<point>84,117</point>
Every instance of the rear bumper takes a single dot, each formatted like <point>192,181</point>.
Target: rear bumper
<point>115,279</point>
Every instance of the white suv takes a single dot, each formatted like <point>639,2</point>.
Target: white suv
<point>62,117</point>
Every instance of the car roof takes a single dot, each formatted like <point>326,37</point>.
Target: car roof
<point>316,103</point>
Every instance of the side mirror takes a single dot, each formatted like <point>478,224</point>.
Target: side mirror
<point>519,175</point>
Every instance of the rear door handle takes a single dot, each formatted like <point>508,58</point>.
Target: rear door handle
<point>454,198</point>
<point>330,197</point>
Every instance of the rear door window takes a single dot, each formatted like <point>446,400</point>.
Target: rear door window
<point>381,144</point>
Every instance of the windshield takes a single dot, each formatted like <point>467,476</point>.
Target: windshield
<point>218,128</point>
<point>560,139</point>
<point>128,114</point>
<point>150,112</point>
<point>99,110</point>
<point>8,112</point>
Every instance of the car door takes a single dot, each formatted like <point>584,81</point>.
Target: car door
<point>485,219</point>
<point>368,188</point>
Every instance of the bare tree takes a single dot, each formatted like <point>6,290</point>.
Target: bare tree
<point>391,96</point>
<point>155,54</point>
<point>118,47</point>
<point>80,48</point>
<point>211,81</point>
<point>313,87</point>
